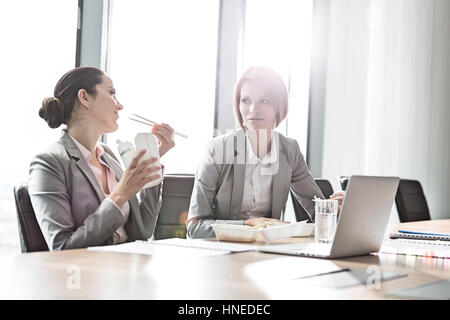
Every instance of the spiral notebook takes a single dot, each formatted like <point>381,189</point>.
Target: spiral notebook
<point>420,235</point>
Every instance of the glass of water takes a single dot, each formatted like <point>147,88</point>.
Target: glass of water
<point>325,220</point>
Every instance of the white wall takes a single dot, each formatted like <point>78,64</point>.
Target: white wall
<point>388,94</point>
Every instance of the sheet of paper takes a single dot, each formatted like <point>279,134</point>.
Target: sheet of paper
<point>205,244</point>
<point>149,248</point>
<point>427,248</point>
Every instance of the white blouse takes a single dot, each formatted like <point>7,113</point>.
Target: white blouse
<point>257,198</point>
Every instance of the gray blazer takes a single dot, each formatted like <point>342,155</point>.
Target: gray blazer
<point>219,183</point>
<point>71,207</point>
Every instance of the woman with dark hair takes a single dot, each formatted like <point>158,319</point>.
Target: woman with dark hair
<point>78,190</point>
<point>246,175</point>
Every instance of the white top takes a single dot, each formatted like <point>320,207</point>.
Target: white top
<point>257,198</point>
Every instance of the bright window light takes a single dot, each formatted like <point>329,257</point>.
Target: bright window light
<point>38,46</point>
<point>163,64</point>
<point>278,36</point>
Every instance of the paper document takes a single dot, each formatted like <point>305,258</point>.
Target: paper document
<point>205,244</point>
<point>175,246</point>
<point>426,248</point>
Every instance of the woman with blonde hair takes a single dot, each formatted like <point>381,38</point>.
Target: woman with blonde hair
<point>246,175</point>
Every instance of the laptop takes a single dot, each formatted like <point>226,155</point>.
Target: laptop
<point>361,225</point>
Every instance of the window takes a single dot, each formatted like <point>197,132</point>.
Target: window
<point>34,55</point>
<point>162,61</point>
<point>278,36</point>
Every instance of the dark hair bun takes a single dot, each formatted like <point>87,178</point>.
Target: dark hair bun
<point>52,112</point>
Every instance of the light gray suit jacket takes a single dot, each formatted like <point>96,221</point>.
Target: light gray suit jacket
<point>219,183</point>
<point>71,207</point>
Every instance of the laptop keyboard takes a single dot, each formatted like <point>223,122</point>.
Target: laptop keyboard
<point>314,249</point>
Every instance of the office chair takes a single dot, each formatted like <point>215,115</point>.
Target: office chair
<point>31,238</point>
<point>300,213</point>
<point>325,187</point>
<point>411,202</point>
<point>344,181</point>
<point>176,196</point>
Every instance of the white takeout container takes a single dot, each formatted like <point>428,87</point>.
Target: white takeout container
<point>241,233</point>
<point>304,230</point>
<point>281,231</point>
<point>232,232</point>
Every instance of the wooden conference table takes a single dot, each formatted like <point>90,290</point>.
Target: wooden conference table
<point>246,275</point>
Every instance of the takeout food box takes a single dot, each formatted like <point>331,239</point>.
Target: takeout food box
<point>241,233</point>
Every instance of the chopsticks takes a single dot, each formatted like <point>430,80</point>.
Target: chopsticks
<point>152,123</point>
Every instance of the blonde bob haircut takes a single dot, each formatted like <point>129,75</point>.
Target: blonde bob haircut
<point>272,83</point>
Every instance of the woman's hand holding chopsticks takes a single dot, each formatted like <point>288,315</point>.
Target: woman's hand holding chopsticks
<point>165,135</point>
<point>163,132</point>
<point>151,123</point>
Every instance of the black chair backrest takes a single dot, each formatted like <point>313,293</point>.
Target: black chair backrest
<point>411,202</point>
<point>176,197</point>
<point>325,187</point>
<point>344,181</point>
<point>300,213</point>
<point>31,238</point>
